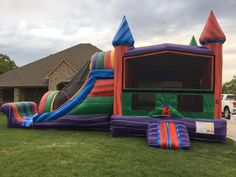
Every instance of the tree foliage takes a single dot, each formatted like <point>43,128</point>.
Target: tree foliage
<point>230,87</point>
<point>6,63</point>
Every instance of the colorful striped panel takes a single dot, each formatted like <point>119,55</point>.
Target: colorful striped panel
<point>94,105</point>
<point>103,88</point>
<point>102,60</point>
<point>168,135</point>
<point>100,122</point>
<point>118,71</point>
<point>16,112</point>
<point>212,32</point>
<point>46,102</point>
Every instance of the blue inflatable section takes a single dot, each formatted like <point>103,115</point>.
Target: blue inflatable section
<point>78,98</point>
<point>123,35</point>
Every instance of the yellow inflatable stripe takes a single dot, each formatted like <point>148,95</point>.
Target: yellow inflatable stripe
<point>112,57</point>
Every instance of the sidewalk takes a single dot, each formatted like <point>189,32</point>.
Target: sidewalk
<point>231,128</point>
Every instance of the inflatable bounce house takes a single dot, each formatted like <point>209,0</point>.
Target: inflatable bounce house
<point>169,93</point>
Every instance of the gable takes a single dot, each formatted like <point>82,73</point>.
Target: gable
<point>62,68</point>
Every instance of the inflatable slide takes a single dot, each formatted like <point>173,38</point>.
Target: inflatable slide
<point>89,94</point>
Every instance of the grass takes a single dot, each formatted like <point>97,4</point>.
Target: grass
<point>29,152</point>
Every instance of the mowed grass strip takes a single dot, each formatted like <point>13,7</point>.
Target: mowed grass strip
<point>32,152</point>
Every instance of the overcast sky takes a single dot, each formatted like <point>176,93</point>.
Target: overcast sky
<point>30,30</point>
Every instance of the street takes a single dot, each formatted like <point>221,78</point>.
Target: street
<point>231,128</point>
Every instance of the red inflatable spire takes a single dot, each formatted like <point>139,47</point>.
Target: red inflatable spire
<point>212,31</point>
<point>213,38</point>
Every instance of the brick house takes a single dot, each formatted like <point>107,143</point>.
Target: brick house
<point>31,81</point>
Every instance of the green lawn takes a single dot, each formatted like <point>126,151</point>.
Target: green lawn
<point>28,152</point>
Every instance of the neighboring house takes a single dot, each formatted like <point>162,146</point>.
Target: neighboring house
<point>31,81</point>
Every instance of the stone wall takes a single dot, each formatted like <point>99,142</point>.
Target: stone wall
<point>62,73</point>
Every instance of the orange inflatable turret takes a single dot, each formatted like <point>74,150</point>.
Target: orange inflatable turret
<point>213,38</point>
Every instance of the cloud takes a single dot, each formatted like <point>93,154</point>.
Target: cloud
<point>30,30</point>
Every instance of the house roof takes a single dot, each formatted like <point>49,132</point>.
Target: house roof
<point>34,74</point>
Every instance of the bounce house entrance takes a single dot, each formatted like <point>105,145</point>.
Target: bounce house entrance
<point>168,71</point>
<point>181,82</point>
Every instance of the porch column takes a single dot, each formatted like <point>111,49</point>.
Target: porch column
<point>17,94</point>
<point>1,96</point>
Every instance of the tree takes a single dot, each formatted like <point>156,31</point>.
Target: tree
<point>6,63</point>
<point>230,87</point>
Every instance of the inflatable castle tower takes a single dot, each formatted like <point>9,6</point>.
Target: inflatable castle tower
<point>213,38</point>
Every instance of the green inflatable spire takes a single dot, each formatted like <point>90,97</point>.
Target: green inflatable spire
<point>193,42</point>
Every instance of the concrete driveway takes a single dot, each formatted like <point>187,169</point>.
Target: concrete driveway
<point>231,128</point>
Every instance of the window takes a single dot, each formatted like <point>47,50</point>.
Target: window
<point>33,94</point>
<point>190,103</point>
<point>168,71</point>
<point>231,97</point>
<point>143,102</point>
<point>61,85</point>
<point>8,95</point>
